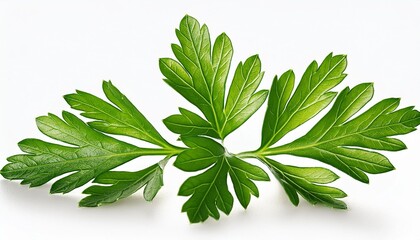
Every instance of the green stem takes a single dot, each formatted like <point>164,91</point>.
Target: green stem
<point>162,163</point>
<point>161,151</point>
<point>248,154</point>
<point>261,153</point>
<point>278,150</point>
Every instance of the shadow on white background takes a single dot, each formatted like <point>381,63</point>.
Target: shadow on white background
<point>134,214</point>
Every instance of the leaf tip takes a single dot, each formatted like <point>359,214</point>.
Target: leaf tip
<point>106,85</point>
<point>54,191</point>
<point>244,205</point>
<point>39,119</point>
<point>365,180</point>
<point>68,97</point>
<point>340,205</point>
<point>392,168</point>
<point>3,172</point>
<point>256,56</point>
<point>85,203</point>
<point>23,143</point>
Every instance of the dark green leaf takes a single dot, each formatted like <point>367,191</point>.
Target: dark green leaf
<point>209,191</point>
<point>242,174</point>
<point>203,153</point>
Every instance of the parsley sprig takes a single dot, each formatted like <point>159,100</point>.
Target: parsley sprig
<point>347,137</point>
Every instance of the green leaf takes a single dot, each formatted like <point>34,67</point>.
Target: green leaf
<point>343,142</point>
<point>241,174</point>
<point>189,124</point>
<point>209,191</point>
<point>200,74</point>
<point>201,77</point>
<point>122,118</point>
<point>286,112</point>
<point>90,154</point>
<point>242,101</point>
<point>122,185</point>
<point>306,181</point>
<point>203,153</point>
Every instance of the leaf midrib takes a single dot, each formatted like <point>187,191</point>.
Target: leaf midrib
<point>211,185</point>
<point>133,154</point>
<point>209,89</point>
<point>300,105</point>
<point>287,149</point>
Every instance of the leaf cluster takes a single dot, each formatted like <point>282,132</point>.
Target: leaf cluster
<point>347,137</point>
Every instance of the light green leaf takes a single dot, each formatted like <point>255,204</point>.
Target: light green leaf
<point>242,101</point>
<point>91,154</point>
<point>343,142</point>
<point>221,60</point>
<point>122,185</point>
<point>286,112</point>
<point>122,118</point>
<point>200,74</point>
<point>241,174</point>
<point>209,193</point>
<point>305,181</point>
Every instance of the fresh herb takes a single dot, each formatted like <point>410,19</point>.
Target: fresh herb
<point>199,73</point>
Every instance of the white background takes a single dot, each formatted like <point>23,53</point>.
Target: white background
<point>50,48</point>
